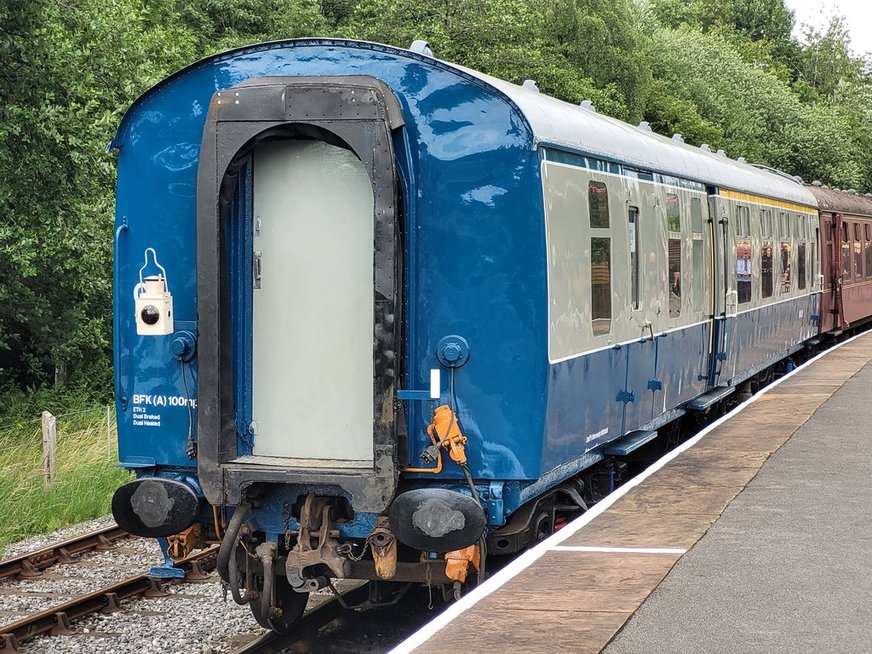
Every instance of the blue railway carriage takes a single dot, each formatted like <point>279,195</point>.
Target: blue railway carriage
<point>377,315</point>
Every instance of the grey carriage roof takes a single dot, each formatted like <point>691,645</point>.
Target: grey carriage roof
<point>558,122</point>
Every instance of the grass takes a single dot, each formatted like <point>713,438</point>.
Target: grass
<point>86,473</point>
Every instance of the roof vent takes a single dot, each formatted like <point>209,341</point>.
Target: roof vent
<point>816,182</point>
<point>797,178</point>
<point>421,47</point>
<point>742,160</point>
<point>587,104</point>
<point>867,195</point>
<point>530,85</point>
<point>852,191</point>
<point>837,189</point>
<point>721,153</point>
<point>705,147</point>
<point>646,126</point>
<point>824,186</point>
<point>678,137</point>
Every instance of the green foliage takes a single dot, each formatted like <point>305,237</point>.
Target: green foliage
<point>826,61</point>
<point>761,117</point>
<point>725,72</point>
<point>219,25</point>
<point>74,69</point>
<point>85,480</point>
<point>602,38</point>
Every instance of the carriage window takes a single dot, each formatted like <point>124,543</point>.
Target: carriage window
<point>674,277</point>
<point>633,223</point>
<point>598,202</point>
<point>766,270</point>
<point>785,267</point>
<point>858,252</point>
<point>800,265</point>
<point>699,276</point>
<point>846,252</point>
<point>696,215</point>
<point>785,225</point>
<point>601,285</point>
<point>743,271</point>
<point>743,215</point>
<point>767,223</point>
<point>828,231</point>
<point>673,215</point>
<point>868,250</point>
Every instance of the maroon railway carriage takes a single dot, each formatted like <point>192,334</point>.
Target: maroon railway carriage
<point>846,257</point>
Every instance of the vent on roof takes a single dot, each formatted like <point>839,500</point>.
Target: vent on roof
<point>852,191</point>
<point>742,160</point>
<point>721,153</point>
<point>587,104</point>
<point>645,125</point>
<point>421,47</point>
<point>530,85</point>
<point>705,147</point>
<point>867,195</point>
<point>678,137</point>
<point>816,182</point>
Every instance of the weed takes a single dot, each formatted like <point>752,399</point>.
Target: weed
<point>86,473</point>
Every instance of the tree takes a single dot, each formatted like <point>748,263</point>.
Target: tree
<point>505,38</point>
<point>602,39</point>
<point>71,72</point>
<point>760,116</point>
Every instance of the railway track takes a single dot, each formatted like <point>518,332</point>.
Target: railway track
<point>33,563</point>
<point>331,628</point>
<point>310,624</point>
<point>57,619</point>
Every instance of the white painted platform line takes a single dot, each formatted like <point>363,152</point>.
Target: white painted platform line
<point>618,550</point>
<point>529,557</point>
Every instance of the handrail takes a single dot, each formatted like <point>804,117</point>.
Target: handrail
<point>116,313</point>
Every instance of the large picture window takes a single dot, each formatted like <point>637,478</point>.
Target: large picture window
<point>786,272</point>
<point>766,270</point>
<point>601,285</point>
<point>800,266</point>
<point>846,252</point>
<point>743,271</point>
<point>598,201</point>
<point>600,259</point>
<point>633,227</point>
<point>867,244</point>
<point>673,213</point>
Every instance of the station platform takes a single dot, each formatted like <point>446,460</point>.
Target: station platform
<point>753,536</point>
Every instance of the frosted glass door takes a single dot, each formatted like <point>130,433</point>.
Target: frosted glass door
<point>312,362</point>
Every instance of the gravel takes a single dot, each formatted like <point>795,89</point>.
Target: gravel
<point>192,618</point>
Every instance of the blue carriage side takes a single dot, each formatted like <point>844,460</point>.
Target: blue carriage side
<point>378,303</point>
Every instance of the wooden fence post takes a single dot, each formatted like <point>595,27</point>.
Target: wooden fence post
<point>49,447</point>
<point>109,432</point>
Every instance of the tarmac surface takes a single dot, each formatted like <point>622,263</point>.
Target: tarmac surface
<point>788,566</point>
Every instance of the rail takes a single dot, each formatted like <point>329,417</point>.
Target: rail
<point>307,628</point>
<point>32,563</point>
<point>57,619</point>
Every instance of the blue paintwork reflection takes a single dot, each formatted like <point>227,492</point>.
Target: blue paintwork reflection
<point>475,266</point>
<point>460,138</point>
